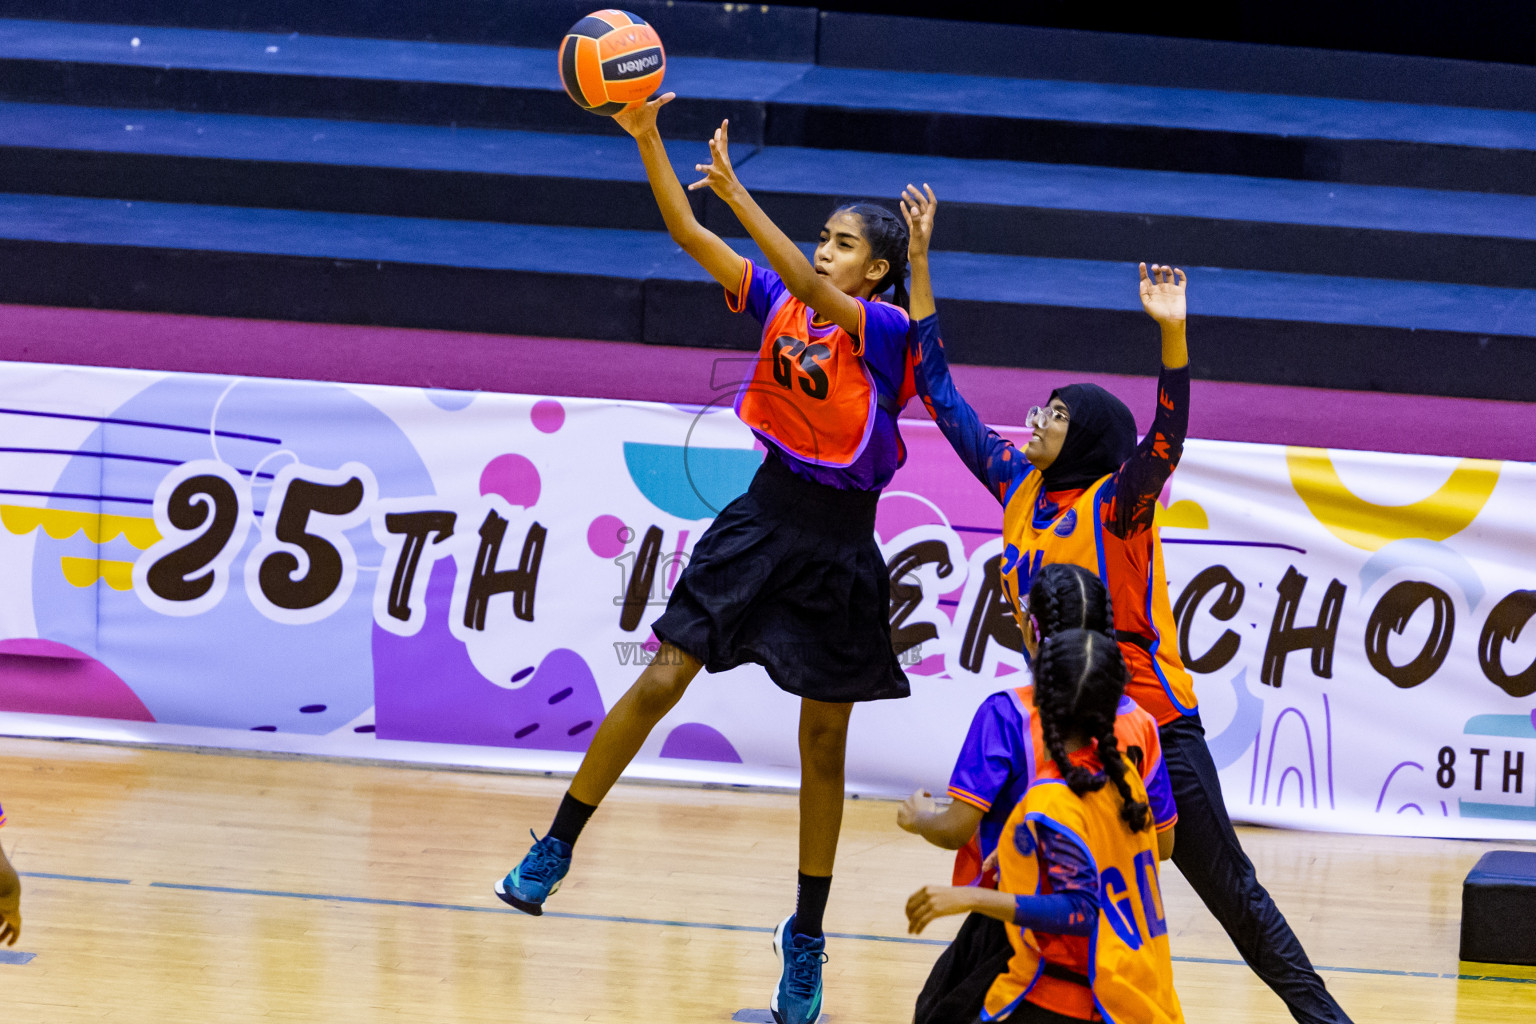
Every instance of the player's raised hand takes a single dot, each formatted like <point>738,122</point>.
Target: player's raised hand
<point>719,175</point>
<point>913,809</point>
<point>1162,293</point>
<point>918,208</point>
<point>642,119</point>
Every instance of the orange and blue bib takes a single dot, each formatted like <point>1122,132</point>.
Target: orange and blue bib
<point>1129,966</point>
<point>1037,532</point>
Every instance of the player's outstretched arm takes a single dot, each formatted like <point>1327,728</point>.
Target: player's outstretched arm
<point>10,902</point>
<point>947,827</point>
<point>783,255</point>
<point>722,262</point>
<point>985,452</point>
<point>932,902</point>
<point>918,209</point>
<point>1162,296</point>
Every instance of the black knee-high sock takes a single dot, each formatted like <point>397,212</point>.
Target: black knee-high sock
<point>811,903</point>
<point>570,819</point>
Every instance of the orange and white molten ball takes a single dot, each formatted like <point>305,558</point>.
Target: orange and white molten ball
<point>611,61</point>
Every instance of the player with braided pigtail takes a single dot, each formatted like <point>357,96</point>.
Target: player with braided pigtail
<point>996,765</point>
<point>1079,893</point>
<point>1057,706</point>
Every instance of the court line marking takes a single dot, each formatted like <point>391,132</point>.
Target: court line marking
<point>15,956</point>
<point>324,897</point>
<point>74,878</point>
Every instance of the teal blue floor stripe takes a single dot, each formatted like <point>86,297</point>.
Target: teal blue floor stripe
<point>15,956</point>
<point>74,878</point>
<point>658,922</point>
<point>607,918</point>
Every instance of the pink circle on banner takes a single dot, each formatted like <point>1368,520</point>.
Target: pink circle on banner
<point>513,477</point>
<point>606,536</point>
<point>548,415</point>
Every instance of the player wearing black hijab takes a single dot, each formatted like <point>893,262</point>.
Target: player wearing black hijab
<point>1084,491</point>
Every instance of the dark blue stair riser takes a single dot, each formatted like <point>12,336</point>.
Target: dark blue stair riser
<point>1146,147</point>
<point>680,312</point>
<point>1336,356</point>
<point>741,31</point>
<point>409,102</point>
<point>1191,241</point>
<point>1019,51</point>
<point>575,201</point>
<point>394,191</point>
<point>320,290</point>
<point>1360,161</point>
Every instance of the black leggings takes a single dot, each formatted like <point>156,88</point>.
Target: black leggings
<point>956,990</point>
<point>957,986</point>
<point>1207,853</point>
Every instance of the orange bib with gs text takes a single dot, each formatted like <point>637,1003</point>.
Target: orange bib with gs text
<point>809,391</point>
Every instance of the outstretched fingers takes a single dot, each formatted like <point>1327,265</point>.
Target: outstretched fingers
<point>1161,274</point>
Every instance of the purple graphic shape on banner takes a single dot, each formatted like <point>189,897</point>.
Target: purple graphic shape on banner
<point>266,670</point>
<point>426,688</point>
<point>41,677</point>
<point>695,741</point>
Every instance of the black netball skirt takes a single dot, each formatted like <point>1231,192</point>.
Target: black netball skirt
<point>789,577</point>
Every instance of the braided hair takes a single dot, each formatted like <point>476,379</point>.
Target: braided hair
<point>1066,596</point>
<point>886,234</point>
<point>1079,679</point>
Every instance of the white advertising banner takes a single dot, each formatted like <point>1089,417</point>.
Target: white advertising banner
<point>461,578</point>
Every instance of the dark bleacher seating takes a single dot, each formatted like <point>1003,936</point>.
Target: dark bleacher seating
<point>417,183</point>
<point>547,178</point>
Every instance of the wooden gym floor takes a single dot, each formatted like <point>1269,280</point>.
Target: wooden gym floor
<point>171,886</point>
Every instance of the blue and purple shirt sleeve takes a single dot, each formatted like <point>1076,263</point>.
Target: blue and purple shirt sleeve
<point>994,460</point>
<point>883,345</point>
<point>760,290</point>
<point>1072,907</point>
<point>991,756</point>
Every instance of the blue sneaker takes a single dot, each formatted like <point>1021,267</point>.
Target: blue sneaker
<point>528,885</point>
<point>797,1000</point>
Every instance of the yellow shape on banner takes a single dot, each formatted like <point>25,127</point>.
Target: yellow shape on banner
<point>1369,526</point>
<point>1182,515</point>
<point>84,572</point>
<point>60,523</point>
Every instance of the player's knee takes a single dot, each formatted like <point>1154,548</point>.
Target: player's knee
<point>822,745</point>
<point>661,686</point>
